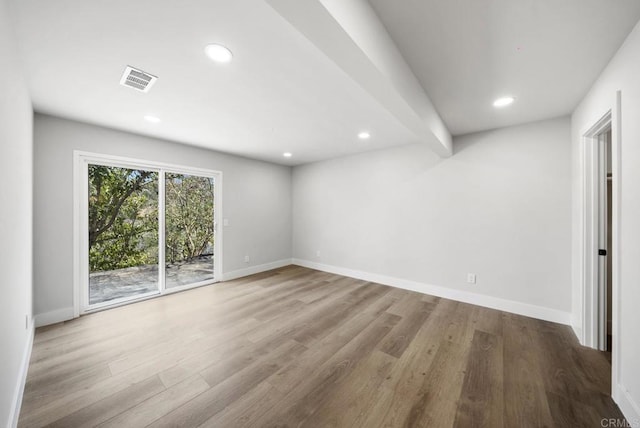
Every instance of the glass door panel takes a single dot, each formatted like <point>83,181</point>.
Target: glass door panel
<point>189,229</point>
<point>123,233</point>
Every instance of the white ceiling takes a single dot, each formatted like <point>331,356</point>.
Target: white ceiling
<point>546,53</point>
<point>281,93</point>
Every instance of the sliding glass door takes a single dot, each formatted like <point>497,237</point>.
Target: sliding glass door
<point>189,229</point>
<point>144,229</point>
<point>122,233</point>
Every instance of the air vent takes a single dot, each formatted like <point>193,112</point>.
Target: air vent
<point>137,79</point>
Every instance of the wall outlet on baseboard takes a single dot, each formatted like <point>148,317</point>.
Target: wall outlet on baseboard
<point>247,259</point>
<point>26,321</point>
<point>471,278</point>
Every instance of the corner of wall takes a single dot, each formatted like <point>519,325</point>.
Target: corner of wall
<point>16,404</point>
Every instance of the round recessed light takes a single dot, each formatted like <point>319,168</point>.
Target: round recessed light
<point>287,154</point>
<point>503,102</point>
<point>152,119</point>
<point>364,135</point>
<point>218,53</point>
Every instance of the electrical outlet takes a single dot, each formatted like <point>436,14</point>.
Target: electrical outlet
<point>318,253</point>
<point>225,222</point>
<point>26,321</point>
<point>247,259</point>
<point>471,278</point>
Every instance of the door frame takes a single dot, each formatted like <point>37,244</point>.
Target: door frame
<point>81,160</point>
<point>591,153</point>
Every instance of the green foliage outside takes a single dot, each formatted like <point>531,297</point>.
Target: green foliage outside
<point>189,217</point>
<point>123,217</point>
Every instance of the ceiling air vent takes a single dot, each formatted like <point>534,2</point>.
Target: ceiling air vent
<point>137,79</point>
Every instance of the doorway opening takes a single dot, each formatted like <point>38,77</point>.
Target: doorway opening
<point>600,239</point>
<point>608,228</point>
<point>597,248</point>
<point>143,229</point>
<point>605,282</point>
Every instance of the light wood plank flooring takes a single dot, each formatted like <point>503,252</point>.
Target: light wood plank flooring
<point>298,347</point>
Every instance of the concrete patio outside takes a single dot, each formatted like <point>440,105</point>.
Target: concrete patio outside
<point>128,282</point>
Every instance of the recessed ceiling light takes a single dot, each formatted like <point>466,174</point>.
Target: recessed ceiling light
<point>364,135</point>
<point>218,53</point>
<point>503,102</point>
<point>287,154</point>
<point>152,119</point>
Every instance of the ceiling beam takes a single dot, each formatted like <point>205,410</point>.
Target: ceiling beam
<point>350,34</point>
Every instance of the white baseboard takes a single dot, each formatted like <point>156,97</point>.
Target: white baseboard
<point>577,330</point>
<point>519,308</point>
<point>22,379</point>
<point>630,409</point>
<point>234,274</point>
<point>59,315</point>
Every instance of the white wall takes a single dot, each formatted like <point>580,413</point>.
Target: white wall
<point>16,149</point>
<point>499,208</point>
<point>256,200</point>
<point>622,74</point>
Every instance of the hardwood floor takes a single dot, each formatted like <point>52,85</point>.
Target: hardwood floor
<point>298,347</point>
